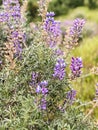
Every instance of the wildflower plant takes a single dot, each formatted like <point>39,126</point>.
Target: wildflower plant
<point>37,93</point>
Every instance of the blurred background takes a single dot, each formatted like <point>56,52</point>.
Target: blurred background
<point>66,11</point>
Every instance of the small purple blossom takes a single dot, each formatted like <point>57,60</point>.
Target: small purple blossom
<point>76,65</point>
<point>38,89</point>
<point>52,28</point>
<point>41,88</point>
<point>43,104</point>
<point>34,77</point>
<point>11,11</point>
<point>18,50</point>
<point>50,14</point>
<point>59,52</point>
<point>71,96</point>
<point>43,83</point>
<point>0,62</point>
<point>96,92</point>
<point>77,27</point>
<point>11,16</point>
<point>59,69</point>
<point>44,90</point>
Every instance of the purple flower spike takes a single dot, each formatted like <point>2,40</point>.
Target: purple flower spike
<point>52,28</point>
<point>71,96</point>
<point>76,65</point>
<point>44,83</point>
<point>38,89</point>
<point>11,11</point>
<point>44,90</point>
<point>97,92</point>
<point>59,69</point>
<point>18,49</point>
<point>43,104</point>
<point>59,52</point>
<point>0,62</point>
<point>50,14</point>
<point>41,88</point>
<point>77,27</point>
<point>34,78</point>
<point>11,16</point>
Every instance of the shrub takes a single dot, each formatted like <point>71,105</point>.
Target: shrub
<point>75,3</point>
<point>92,4</point>
<point>59,7</point>
<point>32,9</point>
<point>35,87</point>
<point>62,6</point>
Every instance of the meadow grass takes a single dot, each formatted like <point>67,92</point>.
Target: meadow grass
<point>85,86</point>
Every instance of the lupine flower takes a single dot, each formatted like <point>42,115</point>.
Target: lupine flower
<point>38,89</point>
<point>96,93</point>
<point>44,90</point>
<point>50,14</point>
<point>41,88</point>
<point>52,28</point>
<point>59,69</point>
<point>76,29</point>
<point>0,62</point>
<point>34,78</point>
<point>76,65</point>
<point>18,37</point>
<point>3,17</point>
<point>11,11</point>
<point>71,96</point>
<point>11,16</point>
<point>44,83</point>
<point>58,52</point>
<point>43,104</point>
<point>18,50</point>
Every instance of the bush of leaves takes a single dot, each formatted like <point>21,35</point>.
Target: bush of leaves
<point>35,84</point>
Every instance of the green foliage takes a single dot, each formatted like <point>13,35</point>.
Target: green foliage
<point>0,2</point>
<point>59,7</point>
<point>20,104</point>
<point>92,4</point>
<point>18,107</point>
<point>63,6</point>
<point>32,9</point>
<point>75,3</point>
